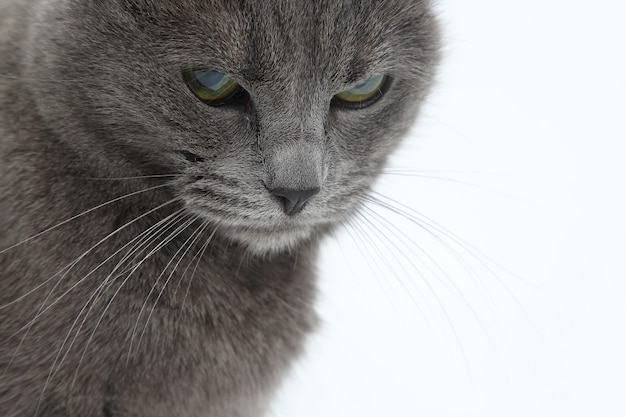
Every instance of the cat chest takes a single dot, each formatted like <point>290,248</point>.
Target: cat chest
<point>172,364</point>
<point>202,373</point>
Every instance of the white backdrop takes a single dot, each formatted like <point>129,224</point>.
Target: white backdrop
<point>520,152</point>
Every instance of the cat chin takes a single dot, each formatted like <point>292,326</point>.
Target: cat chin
<point>266,242</point>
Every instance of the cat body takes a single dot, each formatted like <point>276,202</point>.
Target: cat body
<point>148,266</point>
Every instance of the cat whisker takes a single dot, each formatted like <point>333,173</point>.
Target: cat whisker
<point>431,289</point>
<point>424,174</point>
<point>402,236</point>
<point>419,172</point>
<point>143,239</point>
<point>447,282</point>
<point>191,261</point>
<point>189,243</point>
<point>93,299</point>
<point>454,288</point>
<point>417,88</point>
<point>84,254</point>
<point>424,225</point>
<point>137,253</point>
<point>193,274</point>
<point>390,267</point>
<point>245,256</point>
<point>139,177</point>
<point>52,80</point>
<point>159,246</point>
<point>433,228</point>
<point>444,311</point>
<point>365,254</point>
<point>428,225</point>
<point>173,235</point>
<point>99,206</point>
<point>150,236</point>
<point>42,310</point>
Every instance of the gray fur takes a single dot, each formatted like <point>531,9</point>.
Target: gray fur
<point>93,108</point>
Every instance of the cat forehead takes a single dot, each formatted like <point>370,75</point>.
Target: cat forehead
<point>252,37</point>
<point>296,8</point>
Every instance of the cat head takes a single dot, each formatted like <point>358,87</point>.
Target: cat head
<point>277,114</point>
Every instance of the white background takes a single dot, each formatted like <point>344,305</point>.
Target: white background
<point>520,152</point>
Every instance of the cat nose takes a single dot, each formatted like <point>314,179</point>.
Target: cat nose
<point>293,201</point>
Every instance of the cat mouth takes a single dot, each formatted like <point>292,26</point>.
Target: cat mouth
<point>273,235</point>
<point>263,228</point>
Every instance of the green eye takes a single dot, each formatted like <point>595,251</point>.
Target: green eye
<point>213,87</point>
<point>364,93</point>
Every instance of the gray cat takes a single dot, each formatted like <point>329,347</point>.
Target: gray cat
<point>168,168</point>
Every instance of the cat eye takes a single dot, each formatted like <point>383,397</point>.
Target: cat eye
<point>363,94</point>
<point>213,87</point>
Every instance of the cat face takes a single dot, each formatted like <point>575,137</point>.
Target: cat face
<point>315,95</point>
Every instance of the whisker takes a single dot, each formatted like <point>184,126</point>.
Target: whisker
<point>455,289</point>
<point>438,176</point>
<point>431,261</point>
<point>191,261</point>
<point>140,177</point>
<point>430,225</point>
<point>172,236</point>
<point>41,309</point>
<point>99,206</point>
<point>366,255</point>
<point>473,275</point>
<point>163,224</point>
<point>438,300</point>
<point>419,172</point>
<point>201,252</point>
<point>53,80</point>
<point>447,318</point>
<point>74,262</point>
<point>424,222</point>
<point>379,233</point>
<point>424,225</point>
<point>161,244</point>
<point>93,299</point>
<point>148,240</point>
<point>190,242</point>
